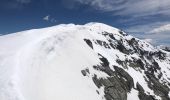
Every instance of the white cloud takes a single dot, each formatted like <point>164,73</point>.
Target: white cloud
<point>160,39</point>
<point>46,18</point>
<point>133,7</point>
<point>148,40</point>
<point>160,34</point>
<point>105,5</point>
<point>135,12</point>
<point>149,27</point>
<point>161,29</point>
<point>53,20</point>
<point>151,41</point>
<point>157,33</point>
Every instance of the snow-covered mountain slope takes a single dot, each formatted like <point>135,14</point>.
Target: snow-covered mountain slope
<point>81,62</point>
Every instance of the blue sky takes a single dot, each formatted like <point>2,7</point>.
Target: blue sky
<point>146,19</point>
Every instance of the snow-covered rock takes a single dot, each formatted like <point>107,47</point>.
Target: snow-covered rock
<point>81,62</point>
<point>163,47</point>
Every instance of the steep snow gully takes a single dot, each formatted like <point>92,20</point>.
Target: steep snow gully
<point>81,62</point>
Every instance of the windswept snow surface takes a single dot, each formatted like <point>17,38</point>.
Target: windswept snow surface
<point>46,64</point>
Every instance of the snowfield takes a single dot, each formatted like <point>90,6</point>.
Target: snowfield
<point>46,64</point>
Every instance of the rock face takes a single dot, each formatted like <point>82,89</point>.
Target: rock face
<point>138,55</point>
<point>82,62</point>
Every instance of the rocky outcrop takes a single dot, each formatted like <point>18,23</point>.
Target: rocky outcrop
<point>159,89</point>
<point>131,53</point>
<point>89,43</point>
<point>142,95</point>
<point>117,85</point>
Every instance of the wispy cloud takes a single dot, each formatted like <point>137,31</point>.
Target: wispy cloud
<point>14,4</point>
<point>146,19</point>
<point>161,34</point>
<point>49,19</point>
<point>46,18</point>
<point>133,7</point>
<point>161,29</point>
<point>158,33</point>
<point>150,41</point>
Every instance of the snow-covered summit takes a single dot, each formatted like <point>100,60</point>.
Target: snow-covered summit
<point>81,62</point>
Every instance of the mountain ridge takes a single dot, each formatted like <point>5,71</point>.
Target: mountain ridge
<point>92,61</point>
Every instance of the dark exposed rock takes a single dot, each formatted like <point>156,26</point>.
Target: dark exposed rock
<point>85,72</point>
<point>136,48</point>
<point>108,34</point>
<point>159,89</point>
<point>114,88</point>
<point>103,43</point>
<point>139,87</point>
<point>155,65</point>
<point>97,92</point>
<point>132,42</point>
<point>160,55</point>
<point>123,63</point>
<point>104,60</point>
<point>166,49</point>
<point>106,69</point>
<point>89,43</point>
<point>136,63</point>
<point>105,33</point>
<point>140,63</point>
<point>142,95</point>
<point>160,75</point>
<point>112,37</point>
<point>111,44</point>
<point>117,85</point>
<point>119,82</point>
<point>122,33</point>
<point>115,92</point>
<point>104,66</point>
<point>125,75</point>
<point>121,48</point>
<point>97,81</point>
